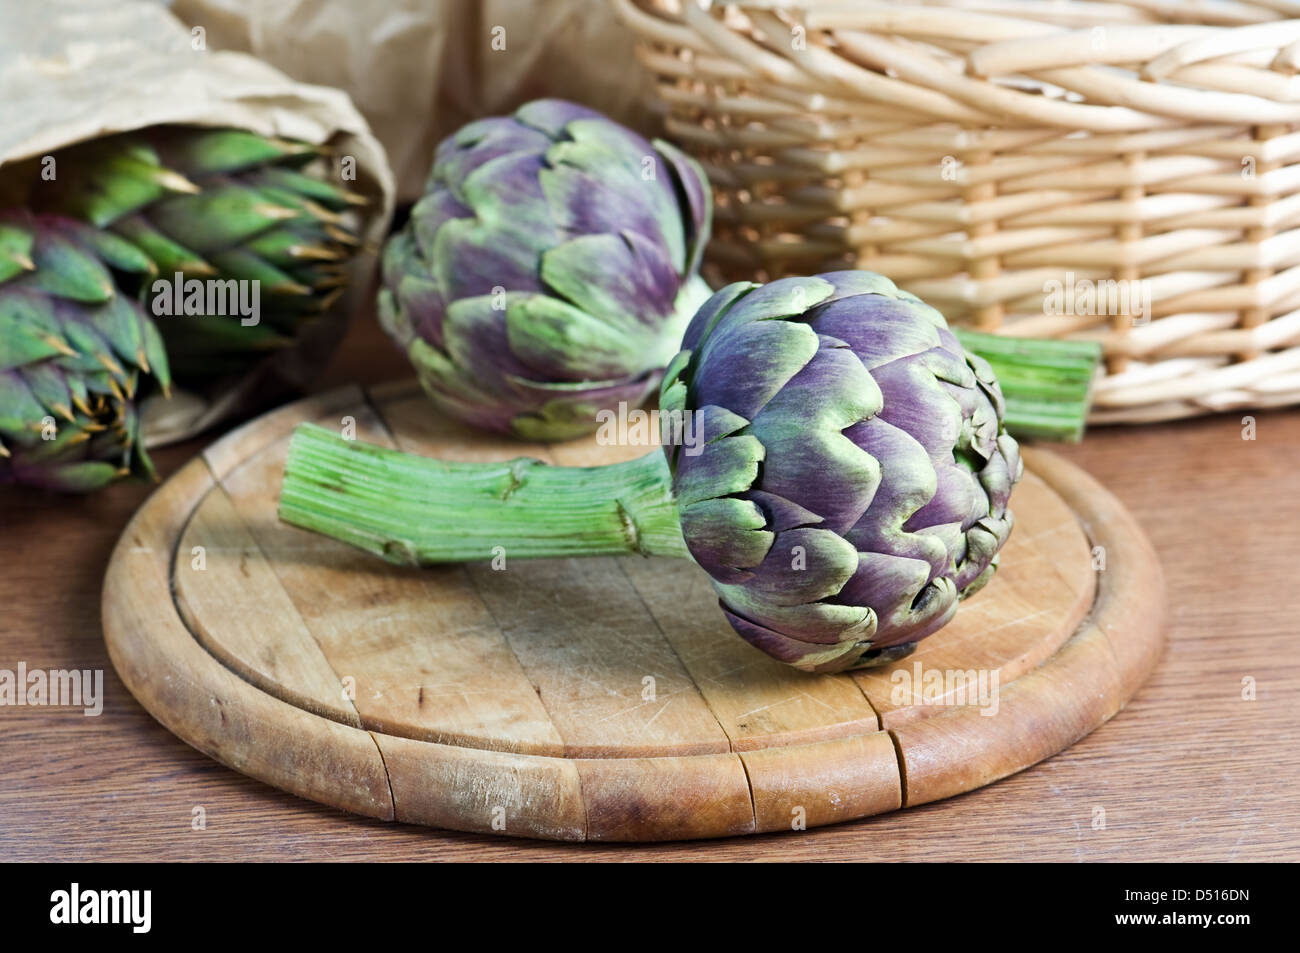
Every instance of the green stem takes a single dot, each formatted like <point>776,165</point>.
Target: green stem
<point>414,510</point>
<point>1047,383</point>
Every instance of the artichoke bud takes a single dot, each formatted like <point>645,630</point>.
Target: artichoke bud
<point>74,356</point>
<point>853,478</point>
<point>548,271</point>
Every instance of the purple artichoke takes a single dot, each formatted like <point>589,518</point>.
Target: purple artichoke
<point>845,485</point>
<point>855,473</point>
<point>549,270</point>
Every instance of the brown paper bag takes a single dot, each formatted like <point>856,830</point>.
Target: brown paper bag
<point>419,69</point>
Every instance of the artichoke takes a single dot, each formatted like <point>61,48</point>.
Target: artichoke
<point>846,486</point>
<point>548,271</point>
<point>855,471</point>
<point>74,355</point>
<point>217,204</point>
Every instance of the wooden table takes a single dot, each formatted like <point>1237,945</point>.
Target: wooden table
<point>1191,770</point>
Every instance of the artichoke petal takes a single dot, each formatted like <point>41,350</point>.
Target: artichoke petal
<point>219,204</point>
<point>558,341</point>
<point>749,377</point>
<point>693,193</point>
<point>622,280</point>
<point>726,534</point>
<point>724,467</point>
<point>804,655</point>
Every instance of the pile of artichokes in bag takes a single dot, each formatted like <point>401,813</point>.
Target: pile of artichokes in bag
<point>218,204</point>
<point>850,467</point>
<point>230,208</point>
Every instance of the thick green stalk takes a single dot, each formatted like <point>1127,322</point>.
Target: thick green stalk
<point>1047,383</point>
<point>414,510</point>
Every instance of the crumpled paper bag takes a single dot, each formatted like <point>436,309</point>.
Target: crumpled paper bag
<point>419,69</point>
<point>73,70</point>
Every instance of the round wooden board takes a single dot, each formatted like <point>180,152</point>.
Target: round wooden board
<point>593,699</point>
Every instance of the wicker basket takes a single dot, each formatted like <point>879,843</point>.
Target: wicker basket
<point>1126,171</point>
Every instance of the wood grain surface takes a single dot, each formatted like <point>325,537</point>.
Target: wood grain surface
<point>1190,770</point>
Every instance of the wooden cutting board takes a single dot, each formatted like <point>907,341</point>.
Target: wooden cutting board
<point>598,699</point>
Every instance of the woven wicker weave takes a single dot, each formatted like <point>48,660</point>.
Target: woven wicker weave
<point>990,155</point>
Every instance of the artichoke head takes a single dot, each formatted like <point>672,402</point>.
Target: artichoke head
<point>218,205</point>
<point>549,270</point>
<point>850,477</point>
<point>74,355</point>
